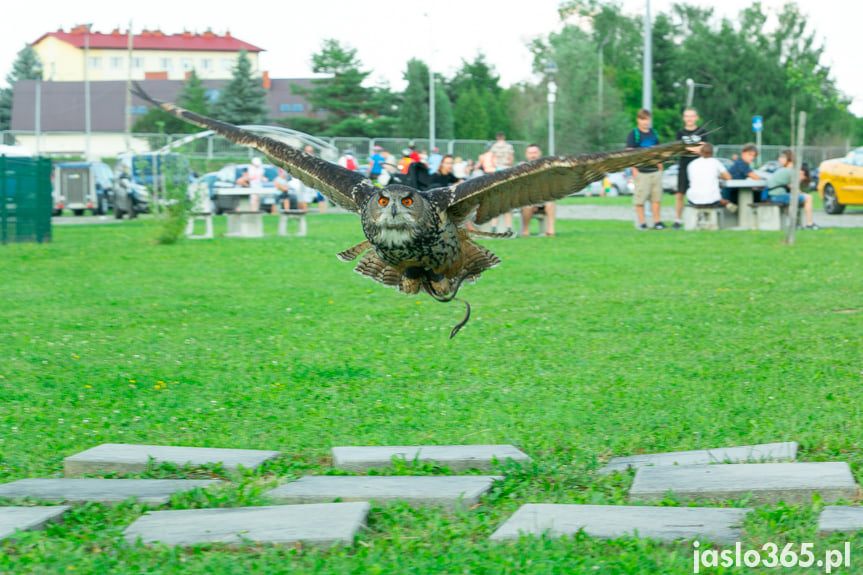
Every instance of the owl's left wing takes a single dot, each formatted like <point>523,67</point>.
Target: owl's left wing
<point>346,188</point>
<point>543,180</point>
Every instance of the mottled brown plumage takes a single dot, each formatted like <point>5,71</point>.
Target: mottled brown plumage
<point>415,240</point>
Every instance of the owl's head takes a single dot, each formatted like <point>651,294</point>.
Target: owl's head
<point>397,207</point>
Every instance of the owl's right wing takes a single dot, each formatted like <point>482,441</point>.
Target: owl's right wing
<point>346,188</point>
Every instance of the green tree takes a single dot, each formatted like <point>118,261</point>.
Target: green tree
<point>444,120</point>
<point>471,119</point>
<point>414,112</point>
<point>348,104</point>
<point>480,77</point>
<point>26,67</point>
<point>243,100</point>
<point>193,97</point>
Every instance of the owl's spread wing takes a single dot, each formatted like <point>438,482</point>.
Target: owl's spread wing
<point>346,188</point>
<point>543,180</point>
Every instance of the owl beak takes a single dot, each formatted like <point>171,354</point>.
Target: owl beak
<point>394,209</point>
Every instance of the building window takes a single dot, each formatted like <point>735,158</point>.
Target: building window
<point>187,64</point>
<point>165,63</point>
<point>290,107</point>
<point>138,110</point>
<point>205,64</point>
<point>227,64</point>
<point>95,62</point>
<point>137,62</point>
<point>116,63</point>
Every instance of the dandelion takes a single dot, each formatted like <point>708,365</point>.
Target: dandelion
<point>74,357</point>
<point>132,381</point>
<point>88,386</point>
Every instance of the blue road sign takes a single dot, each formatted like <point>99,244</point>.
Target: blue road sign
<point>757,123</point>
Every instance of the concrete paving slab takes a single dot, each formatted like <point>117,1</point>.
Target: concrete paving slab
<point>455,457</point>
<point>451,492</point>
<point>28,518</point>
<point>149,491</point>
<point>613,521</point>
<point>767,482</point>
<point>764,452</point>
<point>840,518</point>
<point>130,458</point>
<point>323,525</point>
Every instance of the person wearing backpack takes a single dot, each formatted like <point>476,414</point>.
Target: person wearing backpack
<point>648,181</point>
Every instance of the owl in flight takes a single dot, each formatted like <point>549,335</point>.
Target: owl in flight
<point>416,240</point>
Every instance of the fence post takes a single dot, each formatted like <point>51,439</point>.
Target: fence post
<point>795,179</point>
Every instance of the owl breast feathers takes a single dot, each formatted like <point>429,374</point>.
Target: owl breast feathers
<point>416,240</point>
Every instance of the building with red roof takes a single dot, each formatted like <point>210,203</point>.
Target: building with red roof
<point>153,55</point>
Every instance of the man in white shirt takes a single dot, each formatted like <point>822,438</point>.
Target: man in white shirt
<point>704,175</point>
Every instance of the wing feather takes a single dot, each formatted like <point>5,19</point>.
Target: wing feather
<point>543,180</point>
<point>346,188</point>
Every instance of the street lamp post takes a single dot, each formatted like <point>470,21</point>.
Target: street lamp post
<point>87,93</point>
<point>647,65</point>
<point>599,86</point>
<point>691,85</point>
<point>431,87</point>
<point>551,70</point>
<point>37,70</point>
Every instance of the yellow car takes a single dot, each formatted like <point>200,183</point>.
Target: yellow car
<point>840,182</point>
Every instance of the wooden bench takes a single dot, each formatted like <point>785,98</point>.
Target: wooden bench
<point>770,216</point>
<point>285,215</point>
<point>699,217</point>
<point>208,226</point>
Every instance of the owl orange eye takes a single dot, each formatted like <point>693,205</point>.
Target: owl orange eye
<point>408,201</point>
<point>384,201</point>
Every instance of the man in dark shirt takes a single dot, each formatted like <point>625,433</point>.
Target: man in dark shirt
<point>648,181</point>
<point>691,133</point>
<point>741,169</point>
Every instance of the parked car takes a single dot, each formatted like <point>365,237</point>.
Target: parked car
<point>621,184</point>
<point>227,178</point>
<point>81,186</point>
<point>840,182</point>
<point>143,178</point>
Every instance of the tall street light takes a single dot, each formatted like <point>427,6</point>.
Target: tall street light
<point>550,71</point>
<point>87,93</point>
<point>690,86</point>
<point>37,70</point>
<point>647,66</point>
<point>431,87</point>
<point>599,86</point>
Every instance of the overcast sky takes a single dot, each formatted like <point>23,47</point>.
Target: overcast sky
<point>386,35</point>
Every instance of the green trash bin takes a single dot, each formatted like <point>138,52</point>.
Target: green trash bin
<point>25,199</point>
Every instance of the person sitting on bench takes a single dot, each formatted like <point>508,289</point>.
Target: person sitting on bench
<point>779,187</point>
<point>704,175</point>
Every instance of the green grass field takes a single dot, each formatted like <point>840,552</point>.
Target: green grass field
<point>600,342</point>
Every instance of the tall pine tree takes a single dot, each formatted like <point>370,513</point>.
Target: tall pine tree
<point>414,112</point>
<point>193,98</point>
<point>25,67</point>
<point>243,100</point>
